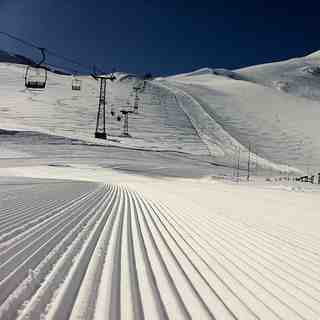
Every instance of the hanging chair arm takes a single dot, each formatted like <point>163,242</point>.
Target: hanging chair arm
<point>43,58</point>
<point>94,76</point>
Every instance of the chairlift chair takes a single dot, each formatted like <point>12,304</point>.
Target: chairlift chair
<point>76,84</point>
<point>125,113</point>
<point>36,74</point>
<point>100,135</point>
<point>36,77</point>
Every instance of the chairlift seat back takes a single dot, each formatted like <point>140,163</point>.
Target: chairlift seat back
<point>100,135</point>
<point>76,84</point>
<point>35,77</point>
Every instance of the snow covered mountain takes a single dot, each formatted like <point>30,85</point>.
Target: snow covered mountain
<point>274,108</point>
<point>300,76</point>
<point>14,58</point>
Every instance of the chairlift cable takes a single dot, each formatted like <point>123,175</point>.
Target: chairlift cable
<point>59,68</point>
<point>27,43</point>
<point>50,52</point>
<point>74,62</point>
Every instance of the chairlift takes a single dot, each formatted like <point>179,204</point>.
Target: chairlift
<point>125,113</point>
<point>119,118</point>
<point>36,75</point>
<point>100,135</point>
<point>35,78</point>
<point>76,84</point>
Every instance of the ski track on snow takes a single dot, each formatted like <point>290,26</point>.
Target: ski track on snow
<point>92,251</point>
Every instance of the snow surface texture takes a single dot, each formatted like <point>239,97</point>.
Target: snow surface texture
<point>154,226</point>
<point>82,250</point>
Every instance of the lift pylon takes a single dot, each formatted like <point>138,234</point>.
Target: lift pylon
<point>136,99</point>
<point>100,132</point>
<point>101,116</point>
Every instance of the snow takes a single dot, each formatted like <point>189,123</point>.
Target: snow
<point>281,127</point>
<point>158,226</point>
<point>315,55</point>
<point>6,153</point>
<point>245,259</point>
<point>72,114</point>
<point>299,76</point>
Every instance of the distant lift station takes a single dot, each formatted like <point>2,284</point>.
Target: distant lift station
<point>36,75</point>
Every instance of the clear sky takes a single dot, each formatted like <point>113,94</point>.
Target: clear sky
<point>164,37</point>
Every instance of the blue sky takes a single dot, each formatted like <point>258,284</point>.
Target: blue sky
<point>164,37</point>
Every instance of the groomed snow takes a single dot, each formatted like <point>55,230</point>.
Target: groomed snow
<point>142,248</point>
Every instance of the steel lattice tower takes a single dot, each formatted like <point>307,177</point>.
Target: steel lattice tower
<point>101,116</point>
<point>136,101</point>
<point>136,98</point>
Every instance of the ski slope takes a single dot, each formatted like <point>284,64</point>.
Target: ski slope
<point>83,250</point>
<point>160,124</point>
<point>156,226</point>
<point>209,111</point>
<point>248,106</point>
